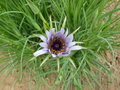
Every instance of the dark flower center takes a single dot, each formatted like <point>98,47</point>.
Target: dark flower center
<point>57,45</point>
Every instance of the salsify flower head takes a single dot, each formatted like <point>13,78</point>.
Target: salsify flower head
<point>58,44</point>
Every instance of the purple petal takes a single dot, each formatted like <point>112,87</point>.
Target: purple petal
<point>53,55</point>
<point>40,52</point>
<point>59,35</point>
<point>66,33</point>
<point>65,54</point>
<point>52,31</point>
<point>75,48</point>
<point>71,44</point>
<point>45,49</point>
<point>43,38</point>
<point>43,44</point>
<point>69,38</point>
<point>62,30</point>
<point>48,34</point>
<point>49,51</point>
<point>59,54</point>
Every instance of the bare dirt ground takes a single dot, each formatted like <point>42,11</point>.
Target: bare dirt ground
<point>10,83</point>
<point>114,83</point>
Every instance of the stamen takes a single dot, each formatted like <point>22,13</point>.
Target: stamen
<point>57,45</point>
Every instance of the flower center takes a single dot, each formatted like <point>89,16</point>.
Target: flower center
<point>57,45</point>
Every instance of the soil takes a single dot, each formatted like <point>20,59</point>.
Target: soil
<point>10,83</point>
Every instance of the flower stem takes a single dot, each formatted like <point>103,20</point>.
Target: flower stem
<point>58,64</point>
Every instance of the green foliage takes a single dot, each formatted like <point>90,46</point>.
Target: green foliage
<point>21,21</point>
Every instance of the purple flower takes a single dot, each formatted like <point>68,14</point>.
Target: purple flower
<point>58,44</point>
